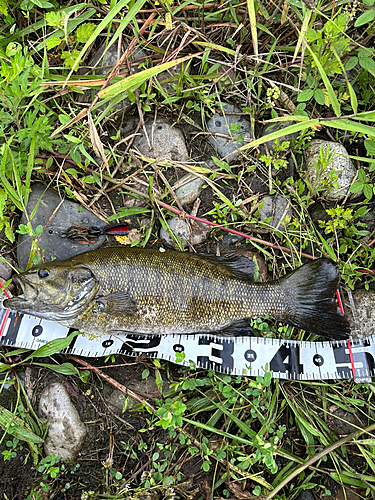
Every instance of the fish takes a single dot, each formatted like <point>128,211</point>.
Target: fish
<point>145,291</point>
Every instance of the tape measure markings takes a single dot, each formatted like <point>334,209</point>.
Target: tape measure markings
<point>287,359</point>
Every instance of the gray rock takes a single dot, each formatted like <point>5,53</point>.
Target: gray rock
<point>189,190</point>
<point>117,401</point>
<point>364,301</point>
<point>306,495</point>
<point>270,129</point>
<point>343,166</point>
<point>180,228</point>
<point>343,422</point>
<point>69,214</point>
<point>278,208</point>
<point>369,219</point>
<point>219,124</point>
<point>231,239</point>
<point>66,432</point>
<point>165,141</point>
<point>5,271</point>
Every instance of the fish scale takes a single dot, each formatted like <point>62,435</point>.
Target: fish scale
<point>146,291</point>
<point>202,295</point>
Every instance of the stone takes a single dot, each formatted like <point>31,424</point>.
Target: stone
<point>66,432</point>
<point>5,271</point>
<point>278,208</point>
<point>305,495</point>
<point>69,214</point>
<point>222,124</point>
<point>180,228</point>
<point>116,401</point>
<point>190,187</point>
<point>364,301</point>
<point>230,239</point>
<point>343,166</point>
<point>165,141</point>
<point>343,422</point>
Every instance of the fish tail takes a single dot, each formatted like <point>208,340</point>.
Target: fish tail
<point>310,293</point>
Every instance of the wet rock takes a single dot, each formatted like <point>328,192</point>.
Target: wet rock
<point>147,386</point>
<point>306,495</point>
<point>164,141</point>
<point>232,239</point>
<point>180,229</point>
<point>69,214</point>
<point>229,124</point>
<point>189,190</point>
<point>278,208</point>
<point>343,166</point>
<point>364,301</point>
<point>66,432</point>
<point>343,422</point>
<point>270,129</point>
<point>117,402</point>
<point>5,271</point>
<point>369,219</point>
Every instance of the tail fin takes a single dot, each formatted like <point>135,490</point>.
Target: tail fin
<point>310,293</point>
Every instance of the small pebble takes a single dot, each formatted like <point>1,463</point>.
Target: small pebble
<point>180,228</point>
<point>5,271</point>
<point>190,190</point>
<point>220,124</point>
<point>278,208</point>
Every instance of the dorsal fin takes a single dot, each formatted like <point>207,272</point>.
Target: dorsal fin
<point>238,266</point>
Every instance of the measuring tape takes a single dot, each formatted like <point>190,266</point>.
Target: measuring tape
<point>246,356</point>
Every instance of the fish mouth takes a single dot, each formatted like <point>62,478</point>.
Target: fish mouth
<point>27,294</point>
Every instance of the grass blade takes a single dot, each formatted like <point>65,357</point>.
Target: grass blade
<point>253,25</point>
<point>134,81</point>
<point>331,93</point>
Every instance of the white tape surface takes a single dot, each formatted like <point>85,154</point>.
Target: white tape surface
<point>231,355</point>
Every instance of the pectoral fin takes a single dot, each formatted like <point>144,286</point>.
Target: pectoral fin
<point>117,303</point>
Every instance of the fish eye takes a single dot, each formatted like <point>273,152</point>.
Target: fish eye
<point>43,273</point>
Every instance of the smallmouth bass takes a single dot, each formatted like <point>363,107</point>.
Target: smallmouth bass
<point>145,291</point>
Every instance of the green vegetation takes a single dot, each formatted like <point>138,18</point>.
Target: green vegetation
<point>309,69</point>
